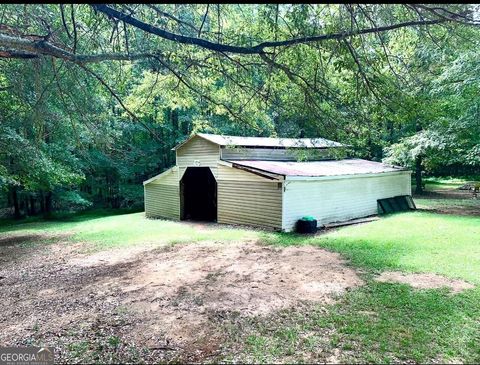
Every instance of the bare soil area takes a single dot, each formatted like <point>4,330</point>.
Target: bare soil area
<point>154,304</point>
<point>424,281</point>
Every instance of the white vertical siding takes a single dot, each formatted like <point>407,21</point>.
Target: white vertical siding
<point>246,198</point>
<point>335,200</point>
<point>198,152</point>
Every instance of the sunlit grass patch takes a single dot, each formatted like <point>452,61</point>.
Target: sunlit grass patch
<point>378,322</point>
<point>416,242</point>
<point>113,231</point>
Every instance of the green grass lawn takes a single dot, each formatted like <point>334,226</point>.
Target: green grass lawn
<point>415,242</point>
<point>100,230</point>
<point>444,183</point>
<point>384,322</point>
<point>379,322</point>
<point>439,196</point>
<point>447,204</point>
<point>435,183</point>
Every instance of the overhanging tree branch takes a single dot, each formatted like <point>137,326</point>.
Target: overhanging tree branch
<point>259,48</point>
<point>19,47</point>
<point>114,94</point>
<point>17,54</point>
<point>182,80</point>
<point>448,15</point>
<point>167,15</point>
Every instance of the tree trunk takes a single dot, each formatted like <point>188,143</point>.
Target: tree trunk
<point>418,175</point>
<point>48,204</point>
<point>418,164</point>
<point>185,127</point>
<point>42,203</point>
<point>32,205</point>
<point>16,206</point>
<point>175,126</point>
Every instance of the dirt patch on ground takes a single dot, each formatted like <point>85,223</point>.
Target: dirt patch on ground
<point>187,284</point>
<point>424,281</point>
<point>246,277</point>
<point>155,305</point>
<point>12,240</point>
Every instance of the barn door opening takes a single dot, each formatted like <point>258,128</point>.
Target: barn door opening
<point>198,192</point>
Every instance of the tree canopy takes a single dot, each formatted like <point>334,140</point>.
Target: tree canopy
<point>94,96</point>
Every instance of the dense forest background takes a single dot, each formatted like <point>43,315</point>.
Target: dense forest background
<point>93,97</point>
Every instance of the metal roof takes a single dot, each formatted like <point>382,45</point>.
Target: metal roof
<point>222,140</point>
<point>354,166</point>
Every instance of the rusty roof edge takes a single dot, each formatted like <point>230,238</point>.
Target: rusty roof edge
<point>257,171</point>
<point>344,176</point>
<point>397,169</point>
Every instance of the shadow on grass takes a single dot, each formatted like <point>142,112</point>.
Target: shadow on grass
<point>93,214</point>
<point>40,222</point>
<point>24,239</point>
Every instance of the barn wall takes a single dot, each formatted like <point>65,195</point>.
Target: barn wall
<point>246,198</point>
<point>162,196</point>
<point>198,152</point>
<point>168,177</point>
<point>341,199</point>
<point>273,154</point>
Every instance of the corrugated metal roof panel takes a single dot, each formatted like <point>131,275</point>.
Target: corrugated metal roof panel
<point>270,142</point>
<point>352,166</point>
<point>222,140</point>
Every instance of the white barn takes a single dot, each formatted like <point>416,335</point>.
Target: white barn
<point>260,181</point>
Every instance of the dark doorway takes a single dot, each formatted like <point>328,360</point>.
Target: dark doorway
<point>198,189</point>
